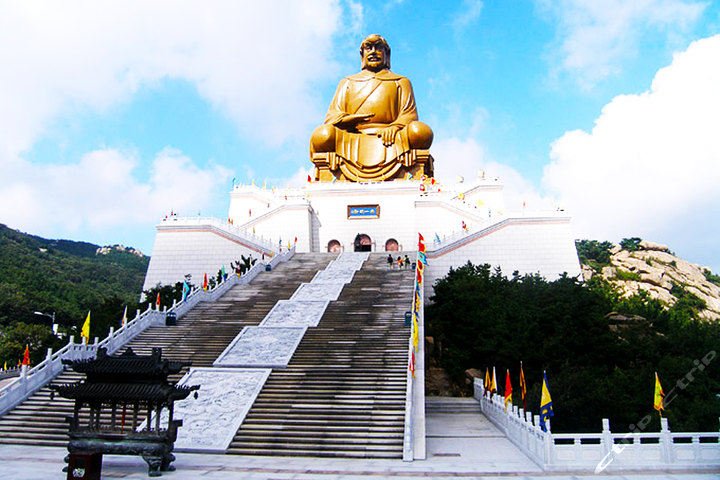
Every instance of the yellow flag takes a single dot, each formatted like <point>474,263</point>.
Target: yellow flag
<point>85,331</point>
<point>659,395</point>
<point>493,382</point>
<point>415,332</point>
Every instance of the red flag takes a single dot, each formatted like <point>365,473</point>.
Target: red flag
<point>295,239</point>
<point>421,243</point>
<point>508,390</point>
<point>432,181</point>
<point>309,179</point>
<point>412,362</point>
<point>205,283</point>
<point>523,387</point>
<point>157,302</point>
<point>26,357</point>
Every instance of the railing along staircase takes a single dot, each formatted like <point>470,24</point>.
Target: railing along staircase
<point>199,336</point>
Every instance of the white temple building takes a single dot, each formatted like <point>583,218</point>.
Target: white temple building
<point>460,223</point>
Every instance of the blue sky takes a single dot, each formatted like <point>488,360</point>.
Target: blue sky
<point>112,114</point>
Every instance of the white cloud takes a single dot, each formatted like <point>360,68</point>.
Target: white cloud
<point>652,160</point>
<point>456,157</point>
<point>595,37</point>
<point>466,16</point>
<point>255,61</point>
<point>100,192</point>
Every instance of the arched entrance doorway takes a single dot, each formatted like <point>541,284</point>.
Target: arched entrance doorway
<point>391,245</point>
<point>362,243</point>
<point>334,246</point>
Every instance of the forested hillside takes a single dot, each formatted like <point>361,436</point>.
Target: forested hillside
<point>61,276</point>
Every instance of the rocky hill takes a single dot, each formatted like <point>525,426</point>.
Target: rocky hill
<point>651,267</point>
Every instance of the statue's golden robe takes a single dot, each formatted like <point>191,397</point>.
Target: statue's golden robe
<point>389,97</point>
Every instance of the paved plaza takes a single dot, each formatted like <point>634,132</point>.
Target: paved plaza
<point>459,445</point>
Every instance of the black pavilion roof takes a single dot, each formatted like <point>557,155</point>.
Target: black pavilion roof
<point>127,368</point>
<point>123,392</point>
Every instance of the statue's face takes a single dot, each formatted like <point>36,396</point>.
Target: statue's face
<point>374,56</point>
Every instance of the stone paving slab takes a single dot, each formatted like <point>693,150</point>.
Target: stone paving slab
<point>270,347</point>
<point>292,313</point>
<point>224,399</point>
<point>43,463</point>
<point>334,276</point>
<point>318,292</point>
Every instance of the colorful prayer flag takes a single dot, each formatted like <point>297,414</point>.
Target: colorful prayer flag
<point>85,330</point>
<point>659,396</point>
<point>124,317</point>
<point>546,406</point>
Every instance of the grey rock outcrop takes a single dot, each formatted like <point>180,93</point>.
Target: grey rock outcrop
<point>653,269</point>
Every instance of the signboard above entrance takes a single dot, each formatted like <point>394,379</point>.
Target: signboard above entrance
<point>363,211</point>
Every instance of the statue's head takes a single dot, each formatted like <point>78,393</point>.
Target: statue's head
<point>375,53</point>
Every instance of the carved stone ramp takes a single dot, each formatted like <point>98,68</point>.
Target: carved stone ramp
<point>199,336</point>
<point>343,392</point>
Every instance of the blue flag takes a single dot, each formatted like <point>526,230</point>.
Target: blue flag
<point>546,406</point>
<point>185,290</point>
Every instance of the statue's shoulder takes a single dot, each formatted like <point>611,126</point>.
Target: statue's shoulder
<point>364,76</point>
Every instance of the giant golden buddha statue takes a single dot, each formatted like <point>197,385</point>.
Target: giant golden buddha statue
<point>371,130</point>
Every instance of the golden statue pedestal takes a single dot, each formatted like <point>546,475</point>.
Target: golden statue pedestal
<point>412,165</point>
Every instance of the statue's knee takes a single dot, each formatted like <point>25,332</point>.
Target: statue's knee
<point>323,139</point>
<point>420,135</point>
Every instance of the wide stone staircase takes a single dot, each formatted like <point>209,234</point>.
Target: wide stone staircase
<point>343,392</point>
<point>199,336</point>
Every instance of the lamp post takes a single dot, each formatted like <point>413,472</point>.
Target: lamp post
<point>53,325</point>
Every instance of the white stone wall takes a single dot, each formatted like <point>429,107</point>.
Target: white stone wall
<point>196,250</point>
<point>543,245</point>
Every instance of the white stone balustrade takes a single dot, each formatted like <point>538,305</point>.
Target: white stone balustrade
<point>601,451</point>
<point>31,380</point>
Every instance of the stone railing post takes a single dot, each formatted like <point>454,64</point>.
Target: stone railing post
<point>666,443</point>
<point>606,442</point>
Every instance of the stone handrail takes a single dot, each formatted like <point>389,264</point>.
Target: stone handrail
<point>448,242</point>
<point>597,452</point>
<point>238,231</point>
<point>414,431</point>
<point>31,380</point>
